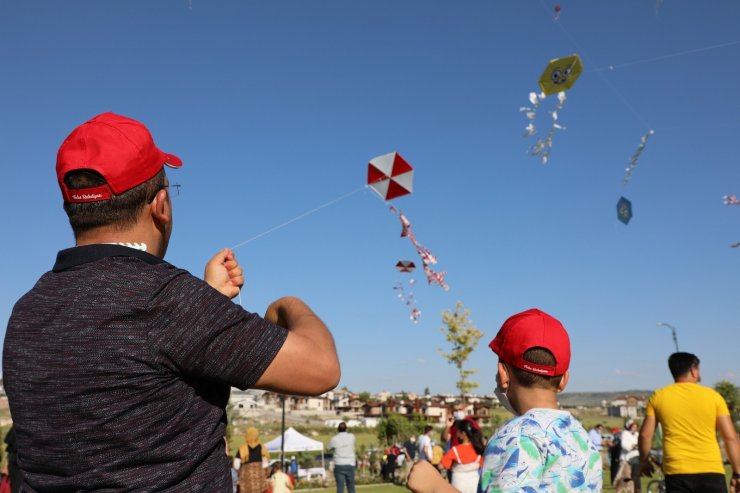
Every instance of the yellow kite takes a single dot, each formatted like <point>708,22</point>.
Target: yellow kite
<point>561,74</point>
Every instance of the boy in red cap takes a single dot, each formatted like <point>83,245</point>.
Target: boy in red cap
<point>543,448</point>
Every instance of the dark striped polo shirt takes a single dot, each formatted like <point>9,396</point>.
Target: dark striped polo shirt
<point>118,366</point>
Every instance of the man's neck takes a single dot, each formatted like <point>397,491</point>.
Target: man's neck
<point>133,238</point>
<point>686,379</point>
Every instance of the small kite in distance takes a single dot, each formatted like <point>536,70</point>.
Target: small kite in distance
<point>731,200</point>
<point>390,175</point>
<point>624,210</point>
<point>405,266</point>
<point>556,12</point>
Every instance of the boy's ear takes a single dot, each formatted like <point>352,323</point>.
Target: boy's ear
<point>564,381</point>
<point>503,376</point>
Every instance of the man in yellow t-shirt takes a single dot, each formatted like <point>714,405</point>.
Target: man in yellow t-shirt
<point>690,415</point>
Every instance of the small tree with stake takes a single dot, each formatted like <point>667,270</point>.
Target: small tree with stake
<point>463,336</point>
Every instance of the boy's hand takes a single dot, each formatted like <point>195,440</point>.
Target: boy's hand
<point>425,478</point>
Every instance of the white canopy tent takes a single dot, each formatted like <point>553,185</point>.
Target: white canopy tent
<point>295,442</point>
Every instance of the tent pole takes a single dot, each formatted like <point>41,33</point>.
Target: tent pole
<point>282,437</point>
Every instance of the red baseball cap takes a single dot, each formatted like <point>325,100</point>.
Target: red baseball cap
<point>530,329</point>
<point>119,148</point>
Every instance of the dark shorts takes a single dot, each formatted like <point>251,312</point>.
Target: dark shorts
<point>696,483</point>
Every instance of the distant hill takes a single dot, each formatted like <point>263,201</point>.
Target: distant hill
<point>591,399</point>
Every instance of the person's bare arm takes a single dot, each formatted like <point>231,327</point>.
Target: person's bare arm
<point>307,364</point>
<point>425,478</point>
<point>645,443</point>
<point>732,447</point>
<point>446,431</point>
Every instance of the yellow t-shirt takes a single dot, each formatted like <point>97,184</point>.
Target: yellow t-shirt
<point>688,414</point>
<point>437,453</point>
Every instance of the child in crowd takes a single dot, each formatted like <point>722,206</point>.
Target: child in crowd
<point>543,448</point>
<point>465,458</point>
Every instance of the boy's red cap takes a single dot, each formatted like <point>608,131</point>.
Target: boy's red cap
<point>119,148</point>
<point>530,329</point>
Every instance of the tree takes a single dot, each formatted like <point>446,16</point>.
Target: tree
<point>364,396</point>
<point>463,336</point>
<point>394,428</point>
<point>731,394</point>
<point>229,431</point>
<point>426,392</point>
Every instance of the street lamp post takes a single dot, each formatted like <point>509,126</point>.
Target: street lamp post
<point>673,332</point>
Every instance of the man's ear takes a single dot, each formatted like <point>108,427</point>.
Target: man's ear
<point>564,381</point>
<point>160,209</point>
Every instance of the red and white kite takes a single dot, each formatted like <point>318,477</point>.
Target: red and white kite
<point>405,266</point>
<point>390,176</point>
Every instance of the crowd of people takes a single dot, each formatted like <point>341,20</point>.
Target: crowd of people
<point>138,358</point>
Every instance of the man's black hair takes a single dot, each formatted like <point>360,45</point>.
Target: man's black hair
<point>342,427</point>
<point>427,429</point>
<point>681,363</point>
<point>120,211</point>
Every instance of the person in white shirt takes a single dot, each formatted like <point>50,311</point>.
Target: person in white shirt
<point>424,444</point>
<point>343,444</point>
<point>630,457</point>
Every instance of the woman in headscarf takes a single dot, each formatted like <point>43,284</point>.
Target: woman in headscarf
<point>252,474</point>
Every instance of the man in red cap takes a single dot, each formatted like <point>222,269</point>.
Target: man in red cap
<point>118,365</point>
<point>543,448</point>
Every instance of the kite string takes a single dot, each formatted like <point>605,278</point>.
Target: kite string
<point>300,216</point>
<point>604,79</point>
<point>664,57</point>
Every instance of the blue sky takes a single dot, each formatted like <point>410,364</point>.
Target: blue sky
<point>276,107</point>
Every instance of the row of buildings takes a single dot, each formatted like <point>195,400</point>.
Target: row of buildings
<point>365,410</point>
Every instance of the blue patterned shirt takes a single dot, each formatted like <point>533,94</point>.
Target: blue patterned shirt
<point>544,450</point>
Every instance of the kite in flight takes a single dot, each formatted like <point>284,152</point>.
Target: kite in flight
<point>405,266</point>
<point>556,12</point>
<point>559,76</point>
<point>390,175</point>
<point>731,200</point>
<point>624,210</point>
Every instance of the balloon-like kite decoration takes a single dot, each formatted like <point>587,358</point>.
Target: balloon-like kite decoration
<point>407,266</point>
<point>559,76</point>
<point>390,175</point>
<point>635,156</point>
